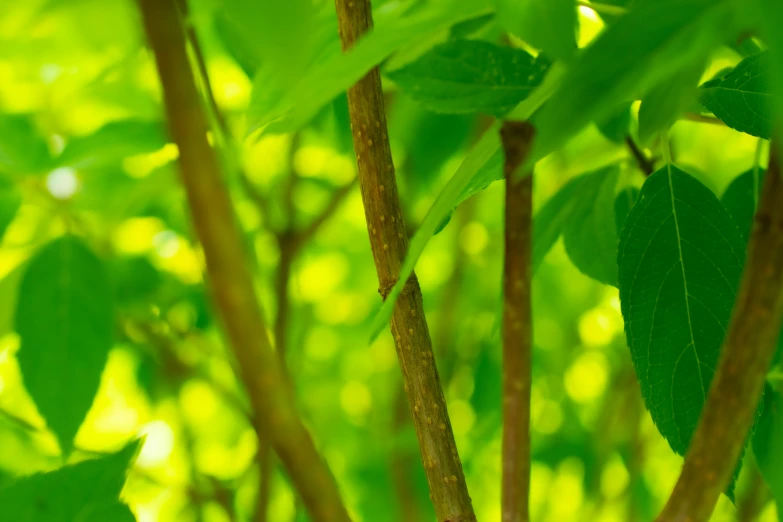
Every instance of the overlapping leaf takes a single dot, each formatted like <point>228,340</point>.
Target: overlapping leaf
<point>680,260</point>
<point>768,444</point>
<point>468,76</point>
<point>65,324</point>
<point>742,98</point>
<point>86,492</point>
<point>741,198</point>
<point>548,25</point>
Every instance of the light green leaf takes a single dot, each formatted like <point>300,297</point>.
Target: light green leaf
<point>114,142</point>
<point>466,76</point>
<point>10,201</point>
<point>336,71</point>
<point>623,204</point>
<point>664,103</point>
<point>651,42</point>
<point>548,25</point>
<point>85,492</point>
<point>243,52</point>
<point>590,234</point>
<point>741,198</point>
<point>65,323</point>
<point>742,98</point>
<point>22,149</point>
<point>615,126</point>
<point>680,261</point>
<point>768,444</point>
<point>481,154</point>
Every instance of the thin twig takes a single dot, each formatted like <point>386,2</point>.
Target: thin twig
<point>746,355</point>
<point>389,243</point>
<point>517,138</point>
<point>646,165</point>
<point>607,9</point>
<point>230,279</point>
<point>694,116</point>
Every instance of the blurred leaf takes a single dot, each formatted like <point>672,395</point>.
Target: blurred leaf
<point>10,201</point>
<point>548,25</point>
<point>664,103</point>
<point>742,98</point>
<point>769,18</point>
<point>466,76</point>
<point>242,51</point>
<point>114,142</point>
<point>9,293</point>
<point>768,444</point>
<point>615,126</point>
<point>134,279</point>
<point>590,233</point>
<point>623,204</point>
<point>335,71</point>
<point>65,322</point>
<point>650,43</point>
<point>741,198</point>
<point>22,149</point>
<point>85,492</point>
<point>680,261</point>
<point>468,28</point>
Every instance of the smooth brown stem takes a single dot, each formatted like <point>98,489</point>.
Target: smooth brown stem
<point>228,274</point>
<point>389,243</point>
<point>646,165</point>
<point>517,138</point>
<point>746,356</point>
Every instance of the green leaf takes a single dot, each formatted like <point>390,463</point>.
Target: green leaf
<point>768,444</point>
<point>664,103</point>
<point>114,142</point>
<point>741,198</point>
<point>548,25</point>
<point>482,153</point>
<point>590,234</point>
<point>335,71</point>
<point>243,52</point>
<point>680,261</point>
<point>466,76</point>
<point>650,43</point>
<point>615,126</point>
<point>65,322</point>
<point>10,201</point>
<point>85,492</point>
<point>623,204</point>
<point>770,18</point>
<point>22,149</point>
<point>742,98</point>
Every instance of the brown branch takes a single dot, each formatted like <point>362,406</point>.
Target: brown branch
<point>228,273</point>
<point>746,356</point>
<point>389,242</point>
<point>646,165</point>
<point>517,138</point>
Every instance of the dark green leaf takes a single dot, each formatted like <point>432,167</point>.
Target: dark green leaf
<point>22,149</point>
<point>615,127</point>
<point>650,43</point>
<point>65,322</point>
<point>113,142</point>
<point>10,201</point>
<point>742,98</point>
<point>680,260</point>
<point>590,234</point>
<point>623,204</point>
<point>549,25</point>
<point>85,492</point>
<point>768,444</point>
<point>664,103</point>
<point>741,198</point>
<point>465,76</point>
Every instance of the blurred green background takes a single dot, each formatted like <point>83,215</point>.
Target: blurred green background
<point>69,68</point>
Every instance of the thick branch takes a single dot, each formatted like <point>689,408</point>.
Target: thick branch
<point>746,356</point>
<point>389,242</point>
<point>229,277</point>
<point>517,324</point>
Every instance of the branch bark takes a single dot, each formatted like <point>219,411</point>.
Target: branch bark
<point>517,138</point>
<point>646,165</point>
<point>228,273</point>
<point>746,356</point>
<point>389,242</point>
